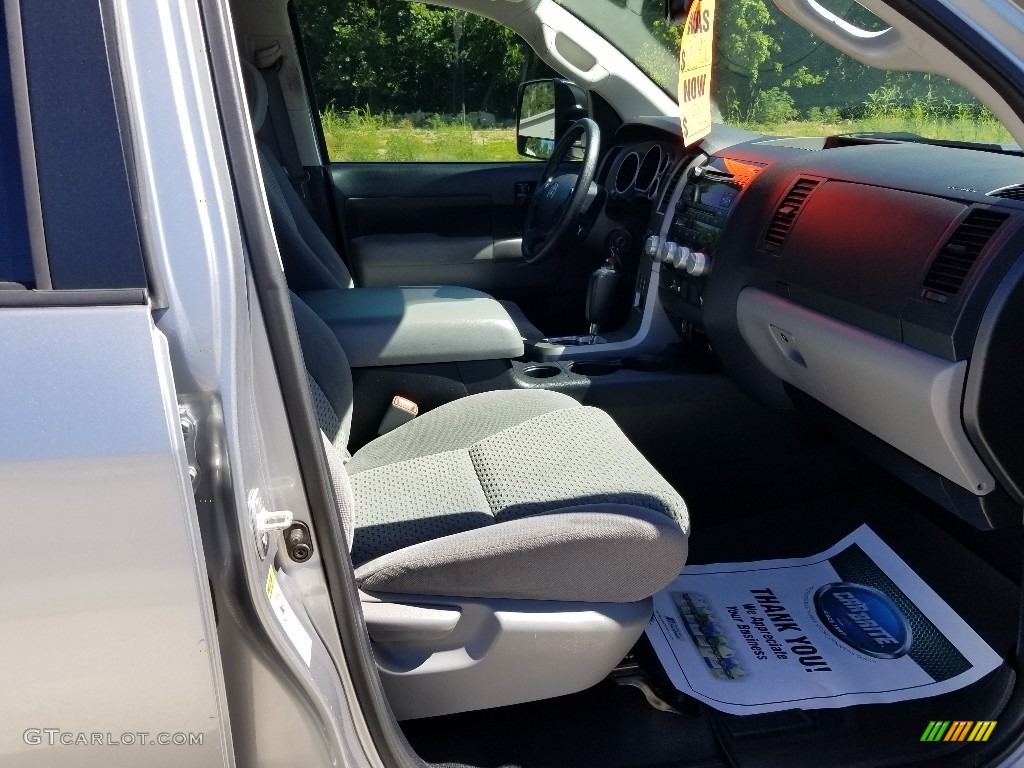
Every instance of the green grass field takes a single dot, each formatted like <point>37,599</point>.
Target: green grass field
<point>947,130</point>
<point>362,137</point>
<point>423,144</point>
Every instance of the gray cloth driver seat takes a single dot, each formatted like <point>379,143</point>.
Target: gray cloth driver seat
<point>506,544</point>
<point>310,261</point>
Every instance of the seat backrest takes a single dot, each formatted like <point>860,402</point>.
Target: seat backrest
<point>310,261</point>
<point>329,378</point>
<point>328,373</point>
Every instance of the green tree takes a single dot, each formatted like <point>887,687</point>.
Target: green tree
<point>403,58</point>
<point>744,45</point>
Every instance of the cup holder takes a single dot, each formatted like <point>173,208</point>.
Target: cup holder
<point>593,367</point>
<point>646,364</point>
<point>542,371</point>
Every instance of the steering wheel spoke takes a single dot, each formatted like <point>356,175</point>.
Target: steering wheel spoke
<point>533,238</point>
<point>560,196</point>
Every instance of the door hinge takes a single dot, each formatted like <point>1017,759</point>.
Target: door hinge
<point>190,432</point>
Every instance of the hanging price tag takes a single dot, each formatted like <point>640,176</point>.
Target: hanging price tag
<point>695,56</point>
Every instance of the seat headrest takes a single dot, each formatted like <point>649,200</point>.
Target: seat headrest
<point>255,93</point>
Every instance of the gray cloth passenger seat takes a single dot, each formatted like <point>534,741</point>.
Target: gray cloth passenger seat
<point>506,544</point>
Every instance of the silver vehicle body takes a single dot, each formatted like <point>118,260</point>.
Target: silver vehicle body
<point>109,626</point>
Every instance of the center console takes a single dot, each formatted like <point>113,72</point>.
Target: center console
<point>647,331</point>
<point>695,224</point>
<point>416,325</point>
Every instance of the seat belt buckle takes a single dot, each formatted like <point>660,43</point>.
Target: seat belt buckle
<point>401,411</point>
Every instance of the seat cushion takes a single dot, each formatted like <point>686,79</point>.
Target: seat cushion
<point>458,424</point>
<point>599,553</point>
<point>515,494</point>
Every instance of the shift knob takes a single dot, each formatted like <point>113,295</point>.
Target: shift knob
<point>600,292</point>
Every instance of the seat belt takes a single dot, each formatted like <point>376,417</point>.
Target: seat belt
<point>269,61</point>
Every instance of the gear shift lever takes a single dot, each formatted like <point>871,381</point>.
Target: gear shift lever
<point>600,292</point>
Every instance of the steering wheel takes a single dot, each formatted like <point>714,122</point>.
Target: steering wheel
<point>559,198</point>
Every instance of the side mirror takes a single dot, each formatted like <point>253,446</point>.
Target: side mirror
<point>676,11</point>
<point>546,109</point>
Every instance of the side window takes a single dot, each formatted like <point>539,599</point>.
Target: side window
<point>409,82</point>
<point>67,217</point>
<point>15,257</point>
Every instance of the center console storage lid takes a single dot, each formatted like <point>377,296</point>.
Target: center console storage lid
<point>423,324</point>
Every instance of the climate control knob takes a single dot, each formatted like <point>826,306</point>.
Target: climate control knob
<point>651,246</point>
<point>681,257</point>
<point>698,264</point>
<point>668,252</point>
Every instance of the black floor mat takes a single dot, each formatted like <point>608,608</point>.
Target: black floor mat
<point>610,725</point>
<point>607,725</point>
<point>871,735</point>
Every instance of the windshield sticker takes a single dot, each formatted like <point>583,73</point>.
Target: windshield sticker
<point>695,53</point>
<point>853,625</point>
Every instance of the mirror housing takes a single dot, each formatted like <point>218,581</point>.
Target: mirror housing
<point>544,111</point>
<point>676,11</point>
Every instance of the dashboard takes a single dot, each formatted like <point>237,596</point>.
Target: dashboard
<point>876,284</point>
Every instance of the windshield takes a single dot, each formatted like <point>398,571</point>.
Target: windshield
<point>772,76</point>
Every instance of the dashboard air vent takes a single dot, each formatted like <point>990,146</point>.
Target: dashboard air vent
<point>957,256</point>
<point>1016,192</point>
<point>670,188</point>
<point>786,213</point>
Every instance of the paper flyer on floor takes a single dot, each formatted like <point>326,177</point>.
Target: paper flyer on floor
<point>853,625</point>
